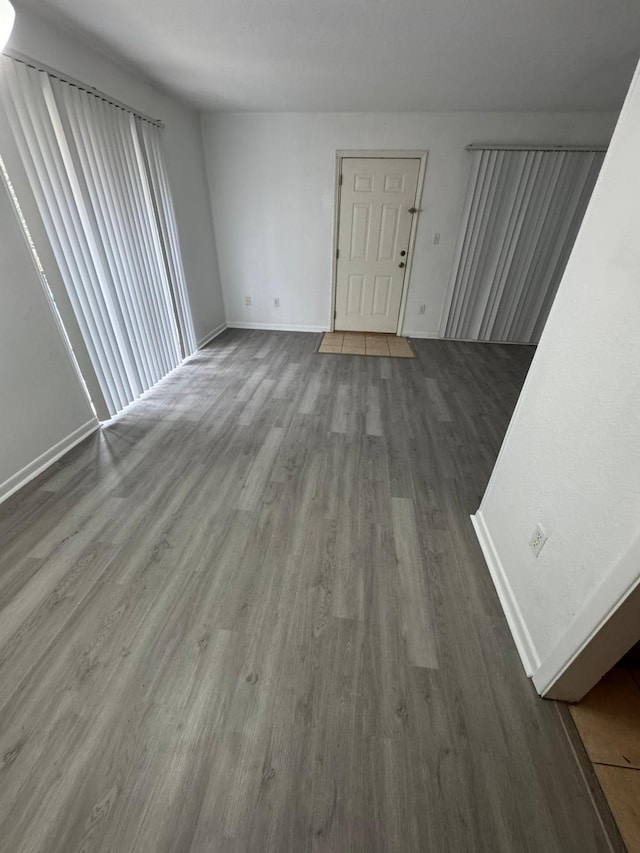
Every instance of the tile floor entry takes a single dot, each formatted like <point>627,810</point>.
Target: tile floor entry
<point>361,343</point>
<point>608,720</point>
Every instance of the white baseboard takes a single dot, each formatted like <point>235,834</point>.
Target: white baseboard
<point>214,334</point>
<point>277,327</point>
<point>22,477</point>
<point>434,336</point>
<point>522,638</point>
<point>431,336</point>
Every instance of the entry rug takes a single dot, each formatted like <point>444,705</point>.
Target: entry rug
<point>360,343</point>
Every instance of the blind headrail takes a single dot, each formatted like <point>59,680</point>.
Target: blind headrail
<point>71,81</point>
<point>496,146</point>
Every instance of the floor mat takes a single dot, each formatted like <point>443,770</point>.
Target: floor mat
<point>361,343</point>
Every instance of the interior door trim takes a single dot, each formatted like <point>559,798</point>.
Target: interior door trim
<point>399,155</point>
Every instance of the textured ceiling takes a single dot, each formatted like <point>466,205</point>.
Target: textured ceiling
<point>373,55</point>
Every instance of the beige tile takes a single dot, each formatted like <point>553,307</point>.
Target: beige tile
<point>400,347</point>
<point>376,345</point>
<point>361,343</point>
<point>621,787</point>
<point>608,719</point>
<point>330,348</point>
<point>333,337</point>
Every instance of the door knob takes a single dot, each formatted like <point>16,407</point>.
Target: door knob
<point>414,210</point>
<point>401,264</point>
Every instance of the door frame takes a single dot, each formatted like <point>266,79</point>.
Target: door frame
<point>377,155</point>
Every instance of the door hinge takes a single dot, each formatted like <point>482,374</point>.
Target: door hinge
<point>340,180</point>
<point>337,253</point>
<point>335,314</point>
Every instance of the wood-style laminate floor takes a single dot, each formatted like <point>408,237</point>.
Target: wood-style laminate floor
<point>251,615</point>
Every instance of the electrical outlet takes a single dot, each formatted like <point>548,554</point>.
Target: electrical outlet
<point>422,309</point>
<point>536,543</point>
<point>436,239</point>
<point>247,300</point>
<point>276,302</point>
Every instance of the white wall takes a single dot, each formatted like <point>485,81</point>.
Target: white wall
<point>63,50</point>
<point>272,188</point>
<point>42,403</point>
<point>571,457</point>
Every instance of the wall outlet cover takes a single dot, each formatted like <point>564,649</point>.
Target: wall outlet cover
<point>536,543</point>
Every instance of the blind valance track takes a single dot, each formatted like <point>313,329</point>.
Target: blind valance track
<point>16,56</point>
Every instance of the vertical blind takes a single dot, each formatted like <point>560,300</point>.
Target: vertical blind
<point>163,205</point>
<point>522,213</point>
<point>98,175</point>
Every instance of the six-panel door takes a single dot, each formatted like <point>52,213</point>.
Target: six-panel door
<point>373,241</point>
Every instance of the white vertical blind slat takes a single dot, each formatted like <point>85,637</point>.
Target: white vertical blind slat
<point>57,203</point>
<point>573,226</point>
<point>149,247</point>
<point>29,120</point>
<point>115,242</point>
<point>151,147</point>
<point>529,246</point>
<point>117,354</point>
<point>136,273</point>
<point>461,248</point>
<point>488,250</point>
<point>161,278</point>
<point>521,216</point>
<point>101,188</point>
<point>555,224</point>
<point>106,120</point>
<point>525,167</point>
<point>160,353</point>
<point>500,246</point>
<point>110,259</point>
<point>476,219</point>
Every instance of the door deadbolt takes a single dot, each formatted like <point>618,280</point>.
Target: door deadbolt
<point>403,253</point>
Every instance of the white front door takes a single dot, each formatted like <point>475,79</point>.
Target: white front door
<point>373,241</point>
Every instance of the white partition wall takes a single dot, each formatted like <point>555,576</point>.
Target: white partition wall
<point>570,461</point>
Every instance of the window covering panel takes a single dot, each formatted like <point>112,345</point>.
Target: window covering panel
<point>151,143</point>
<point>109,217</point>
<point>521,216</point>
